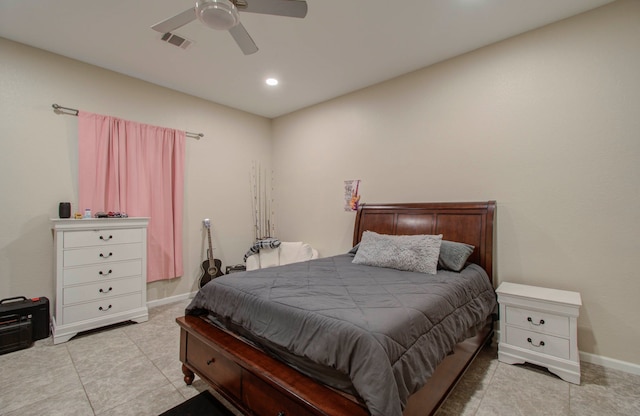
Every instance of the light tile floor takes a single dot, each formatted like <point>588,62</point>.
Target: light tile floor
<point>134,369</point>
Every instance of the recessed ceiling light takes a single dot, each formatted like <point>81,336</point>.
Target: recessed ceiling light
<point>272,81</point>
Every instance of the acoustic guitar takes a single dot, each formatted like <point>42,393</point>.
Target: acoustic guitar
<point>211,268</point>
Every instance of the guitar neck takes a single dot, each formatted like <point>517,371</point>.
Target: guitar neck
<point>210,252</point>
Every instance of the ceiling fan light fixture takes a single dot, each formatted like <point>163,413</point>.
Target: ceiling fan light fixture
<point>217,14</point>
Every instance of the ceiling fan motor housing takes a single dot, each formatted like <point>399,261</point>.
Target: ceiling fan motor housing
<point>217,14</point>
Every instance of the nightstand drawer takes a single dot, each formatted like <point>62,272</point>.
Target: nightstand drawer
<point>101,290</point>
<point>93,255</point>
<point>87,238</point>
<point>542,322</point>
<point>533,341</point>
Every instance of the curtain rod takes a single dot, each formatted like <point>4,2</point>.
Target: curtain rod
<point>58,109</point>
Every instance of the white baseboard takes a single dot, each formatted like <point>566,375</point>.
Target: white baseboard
<point>612,363</point>
<point>170,299</point>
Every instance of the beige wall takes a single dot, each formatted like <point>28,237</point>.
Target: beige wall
<point>38,160</point>
<point>546,123</point>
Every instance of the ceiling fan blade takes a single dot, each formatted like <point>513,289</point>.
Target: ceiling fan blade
<point>243,39</point>
<point>290,8</point>
<point>176,21</point>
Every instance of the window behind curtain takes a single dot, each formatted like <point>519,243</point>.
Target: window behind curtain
<point>137,169</point>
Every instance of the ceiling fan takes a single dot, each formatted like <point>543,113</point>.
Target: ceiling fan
<point>223,15</point>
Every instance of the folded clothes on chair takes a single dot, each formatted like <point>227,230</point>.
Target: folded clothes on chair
<point>292,252</point>
<point>285,253</point>
<point>259,244</point>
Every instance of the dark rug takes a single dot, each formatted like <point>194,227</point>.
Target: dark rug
<point>204,404</point>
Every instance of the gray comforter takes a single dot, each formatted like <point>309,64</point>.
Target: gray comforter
<point>384,328</point>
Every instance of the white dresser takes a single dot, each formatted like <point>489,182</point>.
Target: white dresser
<point>100,268</point>
<point>539,326</point>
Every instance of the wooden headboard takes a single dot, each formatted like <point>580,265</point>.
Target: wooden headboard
<point>465,222</point>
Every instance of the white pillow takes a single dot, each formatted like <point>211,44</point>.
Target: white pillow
<point>269,257</point>
<point>293,252</point>
<point>416,253</point>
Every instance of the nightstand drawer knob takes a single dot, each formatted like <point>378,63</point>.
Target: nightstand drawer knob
<point>103,238</point>
<point>211,361</point>
<point>541,344</point>
<point>106,256</point>
<point>541,322</point>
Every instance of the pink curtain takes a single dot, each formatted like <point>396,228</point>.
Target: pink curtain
<point>138,169</point>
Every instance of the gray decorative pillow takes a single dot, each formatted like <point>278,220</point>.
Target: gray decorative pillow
<point>453,255</point>
<point>416,253</point>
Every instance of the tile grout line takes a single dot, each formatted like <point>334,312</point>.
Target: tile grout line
<point>73,362</point>
<point>489,383</point>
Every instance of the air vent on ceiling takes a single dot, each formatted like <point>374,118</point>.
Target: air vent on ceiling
<point>176,40</point>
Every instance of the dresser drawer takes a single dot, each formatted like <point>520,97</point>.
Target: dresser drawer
<point>101,308</point>
<point>101,272</point>
<point>100,255</point>
<point>267,401</point>
<point>214,366</point>
<point>101,290</point>
<point>85,238</point>
<point>542,322</point>
<point>533,341</point>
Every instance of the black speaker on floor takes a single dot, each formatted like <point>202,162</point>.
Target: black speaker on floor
<point>64,210</point>
<point>34,310</point>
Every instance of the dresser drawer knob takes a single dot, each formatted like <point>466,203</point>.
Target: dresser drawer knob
<point>103,238</point>
<point>101,273</point>
<point>541,322</point>
<point>106,291</point>
<point>104,309</point>
<point>107,256</point>
<point>540,344</point>
<point>211,361</point>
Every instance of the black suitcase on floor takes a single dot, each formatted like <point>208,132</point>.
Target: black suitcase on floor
<point>36,310</point>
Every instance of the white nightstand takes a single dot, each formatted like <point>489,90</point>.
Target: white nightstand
<point>539,326</point>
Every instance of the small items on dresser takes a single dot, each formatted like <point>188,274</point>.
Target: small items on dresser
<point>64,210</point>
<point>539,325</point>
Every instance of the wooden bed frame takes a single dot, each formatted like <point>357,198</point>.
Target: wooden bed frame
<point>260,385</point>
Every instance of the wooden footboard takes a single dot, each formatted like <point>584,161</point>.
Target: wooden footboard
<point>259,385</point>
<point>252,381</point>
